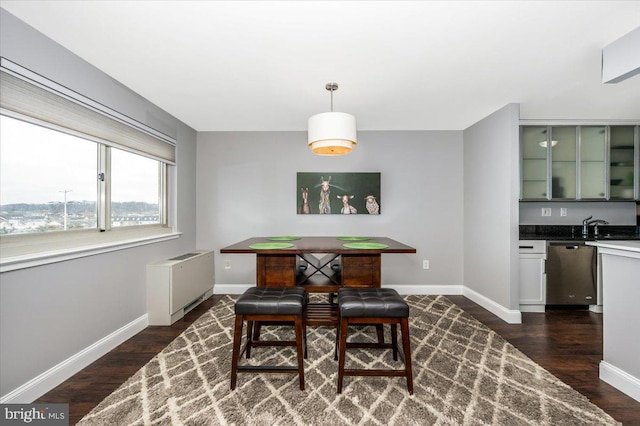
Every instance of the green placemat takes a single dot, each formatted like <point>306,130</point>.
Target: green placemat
<point>365,245</point>
<point>353,238</point>
<point>270,246</point>
<point>283,238</point>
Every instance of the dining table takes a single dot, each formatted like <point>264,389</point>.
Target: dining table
<point>320,264</point>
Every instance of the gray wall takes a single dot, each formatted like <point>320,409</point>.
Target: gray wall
<point>246,186</point>
<point>491,190</point>
<point>52,312</point>
<point>618,213</point>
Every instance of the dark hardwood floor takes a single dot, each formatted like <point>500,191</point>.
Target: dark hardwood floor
<point>566,343</point>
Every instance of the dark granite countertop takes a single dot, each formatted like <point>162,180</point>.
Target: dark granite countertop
<point>574,233</point>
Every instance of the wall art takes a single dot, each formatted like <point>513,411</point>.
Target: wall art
<point>338,193</point>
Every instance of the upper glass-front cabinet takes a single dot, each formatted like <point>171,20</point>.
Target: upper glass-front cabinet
<point>580,162</point>
<point>593,162</point>
<point>563,162</point>
<point>534,162</point>
<point>623,162</point>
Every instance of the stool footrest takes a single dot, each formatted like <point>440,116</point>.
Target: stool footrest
<point>370,345</point>
<point>267,369</point>
<point>357,372</point>
<point>255,343</point>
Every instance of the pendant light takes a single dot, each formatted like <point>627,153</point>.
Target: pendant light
<point>332,133</point>
<point>544,142</point>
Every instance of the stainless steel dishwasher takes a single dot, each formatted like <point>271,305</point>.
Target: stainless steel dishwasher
<point>571,273</point>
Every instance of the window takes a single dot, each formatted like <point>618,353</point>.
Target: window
<point>49,182</point>
<point>47,179</point>
<point>71,167</point>
<point>135,189</point>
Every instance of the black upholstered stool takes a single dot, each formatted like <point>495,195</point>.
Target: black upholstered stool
<point>284,305</point>
<point>373,306</point>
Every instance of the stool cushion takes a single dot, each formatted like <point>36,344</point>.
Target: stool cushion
<point>272,301</point>
<point>371,302</point>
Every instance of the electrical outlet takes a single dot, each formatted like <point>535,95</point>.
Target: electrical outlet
<point>227,264</point>
<point>563,211</point>
<point>425,264</point>
<point>546,211</point>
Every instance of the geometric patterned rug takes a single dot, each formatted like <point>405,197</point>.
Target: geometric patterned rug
<point>463,372</point>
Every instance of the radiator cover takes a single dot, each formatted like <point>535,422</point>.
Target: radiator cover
<point>177,285</point>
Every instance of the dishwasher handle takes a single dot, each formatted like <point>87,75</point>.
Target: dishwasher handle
<point>569,245</point>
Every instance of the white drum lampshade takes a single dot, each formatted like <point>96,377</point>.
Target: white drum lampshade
<point>332,133</point>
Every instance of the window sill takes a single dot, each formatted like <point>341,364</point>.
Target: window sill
<point>12,259</point>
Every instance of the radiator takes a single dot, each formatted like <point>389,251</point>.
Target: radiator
<point>176,286</point>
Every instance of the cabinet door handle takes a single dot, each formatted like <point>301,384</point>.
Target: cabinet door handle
<point>526,247</point>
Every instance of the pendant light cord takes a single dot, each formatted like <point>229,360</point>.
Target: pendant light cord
<point>332,99</point>
<point>331,87</point>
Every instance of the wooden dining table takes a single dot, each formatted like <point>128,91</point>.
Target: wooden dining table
<point>319,264</point>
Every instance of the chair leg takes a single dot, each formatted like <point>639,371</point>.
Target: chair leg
<point>343,350</point>
<point>256,331</point>
<point>406,347</point>
<point>299,349</point>
<point>337,345</point>
<point>304,327</point>
<point>394,341</point>
<point>237,337</point>
<point>249,338</point>
<point>380,333</point>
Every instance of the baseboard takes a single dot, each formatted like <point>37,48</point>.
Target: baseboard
<point>532,308</point>
<point>51,378</point>
<point>598,309</point>
<point>426,289</point>
<point>231,288</point>
<point>400,288</point>
<point>620,380</point>
<point>507,315</point>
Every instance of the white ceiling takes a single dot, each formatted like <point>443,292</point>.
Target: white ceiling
<point>418,65</point>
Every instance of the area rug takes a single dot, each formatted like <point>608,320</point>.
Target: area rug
<point>464,374</point>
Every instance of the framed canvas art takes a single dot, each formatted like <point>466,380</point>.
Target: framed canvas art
<point>338,193</point>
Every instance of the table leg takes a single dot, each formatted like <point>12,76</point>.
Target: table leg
<point>275,270</point>
<point>361,270</point>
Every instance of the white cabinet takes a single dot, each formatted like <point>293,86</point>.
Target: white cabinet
<point>532,276</point>
<point>621,351</point>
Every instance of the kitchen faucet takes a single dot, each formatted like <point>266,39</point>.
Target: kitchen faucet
<point>588,221</point>
<point>596,223</point>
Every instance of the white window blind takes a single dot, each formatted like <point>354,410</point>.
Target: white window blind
<point>46,101</point>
